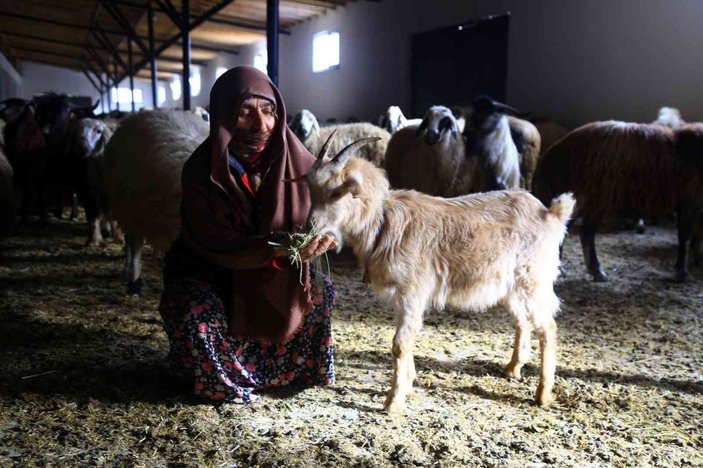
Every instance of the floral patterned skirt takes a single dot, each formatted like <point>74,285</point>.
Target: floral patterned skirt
<point>232,369</point>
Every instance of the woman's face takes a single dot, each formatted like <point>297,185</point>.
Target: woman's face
<point>257,115</point>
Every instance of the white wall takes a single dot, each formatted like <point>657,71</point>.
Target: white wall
<point>574,60</point>
<point>39,78</point>
<point>10,79</point>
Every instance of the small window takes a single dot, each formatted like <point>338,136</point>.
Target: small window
<point>123,96</point>
<point>195,82</point>
<point>261,61</point>
<point>220,71</point>
<point>162,95</point>
<point>175,89</point>
<point>325,51</point>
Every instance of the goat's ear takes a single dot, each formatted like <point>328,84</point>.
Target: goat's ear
<point>353,183</point>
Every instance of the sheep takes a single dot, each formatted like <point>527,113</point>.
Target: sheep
<point>528,143</point>
<point>549,131</point>
<point>420,251</point>
<point>393,120</point>
<point>612,167</point>
<point>308,130</point>
<point>143,163</point>
<point>86,140</point>
<point>669,117</point>
<point>8,196</point>
<point>426,157</point>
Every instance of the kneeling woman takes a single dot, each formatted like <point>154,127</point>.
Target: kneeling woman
<point>238,316</point>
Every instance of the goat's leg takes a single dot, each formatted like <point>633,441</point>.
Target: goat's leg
<point>116,231</point>
<point>548,355</point>
<point>96,237</point>
<point>74,206</point>
<point>134,245</point>
<point>521,348</point>
<point>588,236</point>
<point>409,325</point>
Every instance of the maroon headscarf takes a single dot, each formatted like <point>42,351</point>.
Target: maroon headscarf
<point>266,302</point>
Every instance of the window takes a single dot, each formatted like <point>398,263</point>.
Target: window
<point>194,82</point>
<point>123,96</point>
<point>220,71</point>
<point>175,89</point>
<point>325,50</point>
<point>162,95</point>
<point>261,61</point>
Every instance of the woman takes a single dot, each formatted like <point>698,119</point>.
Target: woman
<point>238,316</point>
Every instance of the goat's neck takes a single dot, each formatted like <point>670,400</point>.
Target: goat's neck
<point>362,233</point>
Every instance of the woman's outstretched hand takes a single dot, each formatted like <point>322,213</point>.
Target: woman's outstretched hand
<point>317,246</point>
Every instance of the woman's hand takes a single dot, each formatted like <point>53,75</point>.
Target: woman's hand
<point>317,246</point>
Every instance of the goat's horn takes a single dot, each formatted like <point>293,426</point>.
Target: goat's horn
<point>507,108</point>
<point>325,148</point>
<point>347,152</point>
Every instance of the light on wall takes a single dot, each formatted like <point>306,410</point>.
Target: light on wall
<point>325,51</point>
<point>175,88</point>
<point>161,95</point>
<point>220,71</point>
<point>195,82</point>
<point>261,60</point>
<point>123,96</point>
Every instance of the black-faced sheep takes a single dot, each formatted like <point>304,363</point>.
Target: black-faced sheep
<point>393,120</point>
<point>426,157</point>
<point>615,167</point>
<point>471,252</point>
<point>143,163</point>
<point>308,130</point>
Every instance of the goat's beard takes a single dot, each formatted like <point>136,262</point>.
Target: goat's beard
<point>246,144</point>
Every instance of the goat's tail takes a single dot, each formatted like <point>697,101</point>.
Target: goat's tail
<point>562,207</point>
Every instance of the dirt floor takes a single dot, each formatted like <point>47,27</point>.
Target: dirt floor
<point>83,379</point>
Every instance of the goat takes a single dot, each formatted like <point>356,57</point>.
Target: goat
<point>613,167</point>
<point>419,251</point>
<point>143,163</point>
<point>308,130</point>
<point>426,157</point>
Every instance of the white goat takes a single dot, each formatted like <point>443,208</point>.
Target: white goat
<point>308,130</point>
<point>143,164</point>
<point>426,157</point>
<point>489,139</point>
<point>472,252</point>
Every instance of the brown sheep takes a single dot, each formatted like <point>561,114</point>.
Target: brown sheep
<point>613,167</point>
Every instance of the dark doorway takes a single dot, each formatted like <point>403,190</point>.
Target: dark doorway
<point>452,65</point>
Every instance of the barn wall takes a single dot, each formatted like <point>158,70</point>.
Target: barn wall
<point>10,79</point>
<point>574,60</point>
<point>39,78</point>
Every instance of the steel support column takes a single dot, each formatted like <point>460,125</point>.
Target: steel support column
<point>272,39</point>
<point>152,58</point>
<point>131,73</point>
<point>185,31</point>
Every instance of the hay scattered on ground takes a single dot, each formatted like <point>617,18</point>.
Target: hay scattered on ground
<point>84,380</point>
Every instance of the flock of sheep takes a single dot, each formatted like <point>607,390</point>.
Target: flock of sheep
<point>408,200</point>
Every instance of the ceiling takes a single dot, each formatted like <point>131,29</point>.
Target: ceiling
<point>92,35</point>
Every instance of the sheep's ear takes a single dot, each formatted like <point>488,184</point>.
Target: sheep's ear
<point>353,183</point>
<point>343,156</point>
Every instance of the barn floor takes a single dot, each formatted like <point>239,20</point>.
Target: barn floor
<point>83,378</point>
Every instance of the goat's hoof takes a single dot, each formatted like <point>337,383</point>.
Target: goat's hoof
<point>134,288</point>
<point>394,408</point>
<point>543,397</point>
<point>512,372</point>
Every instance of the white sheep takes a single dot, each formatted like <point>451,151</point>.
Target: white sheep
<point>393,120</point>
<point>308,130</point>
<point>669,117</point>
<point>472,252</point>
<point>426,157</point>
<point>86,140</point>
<point>143,164</point>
